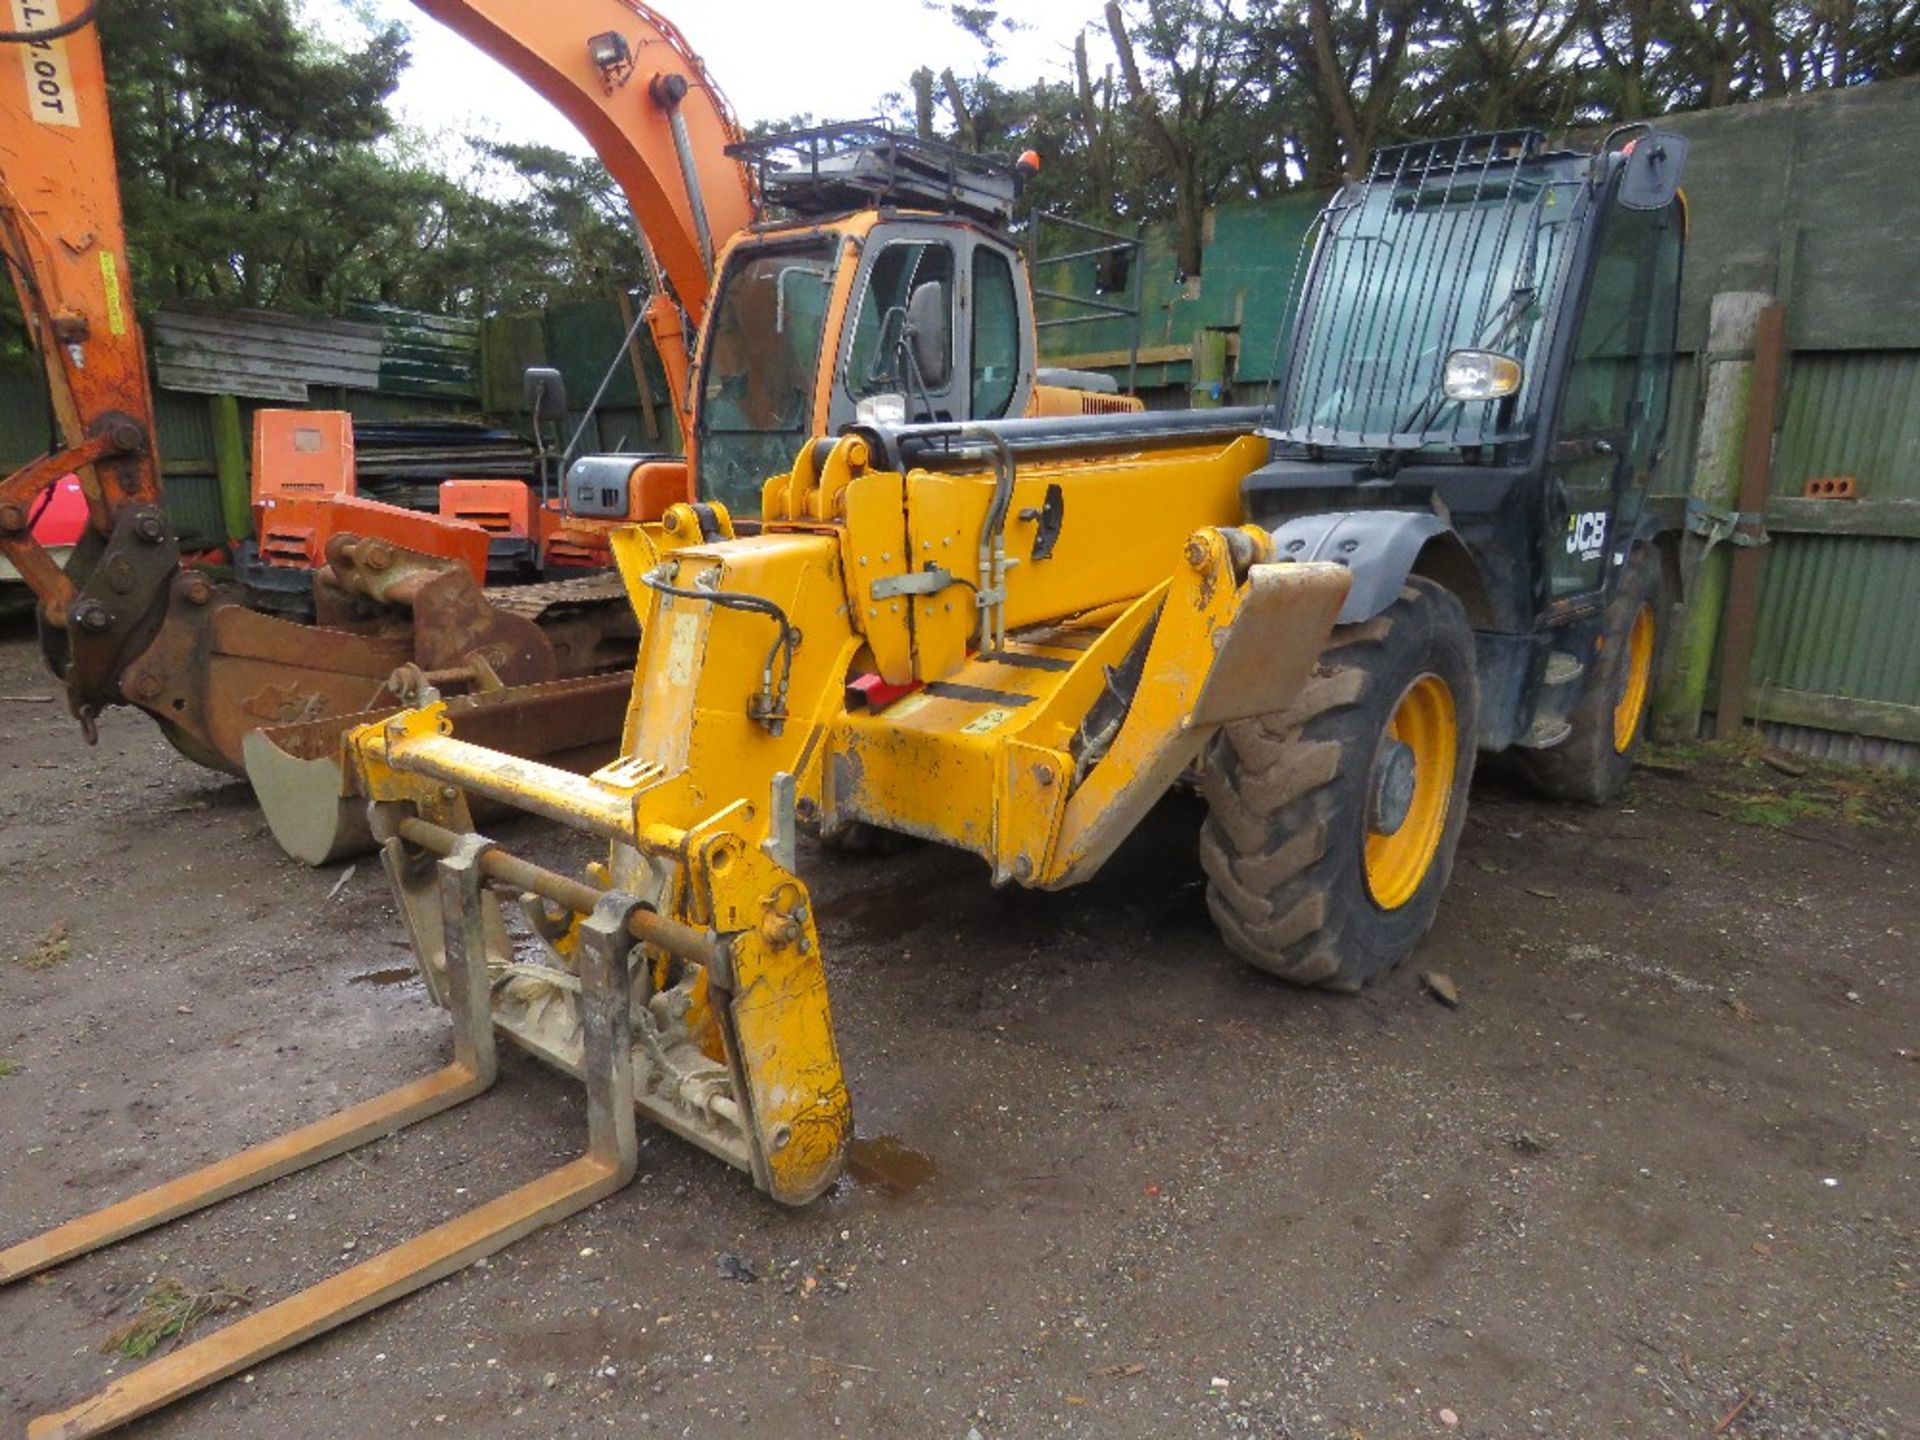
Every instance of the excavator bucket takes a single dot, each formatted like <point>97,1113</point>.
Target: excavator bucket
<point>308,792</point>
<point>605,933</point>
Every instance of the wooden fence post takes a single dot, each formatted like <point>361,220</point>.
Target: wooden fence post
<point>230,466</point>
<point>1756,471</point>
<point>1714,490</point>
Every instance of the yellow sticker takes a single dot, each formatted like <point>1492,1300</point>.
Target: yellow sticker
<point>986,720</point>
<point>110,277</point>
<point>684,641</point>
<point>909,705</point>
<point>49,82</point>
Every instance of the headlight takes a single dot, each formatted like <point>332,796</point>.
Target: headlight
<point>881,410</point>
<point>1480,375</point>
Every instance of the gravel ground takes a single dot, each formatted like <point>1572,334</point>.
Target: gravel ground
<point>1655,1175</point>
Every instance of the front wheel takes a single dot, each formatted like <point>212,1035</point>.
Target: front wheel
<point>1332,824</point>
<point>1591,765</point>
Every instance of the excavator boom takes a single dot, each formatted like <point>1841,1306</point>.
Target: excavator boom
<point>627,79</point>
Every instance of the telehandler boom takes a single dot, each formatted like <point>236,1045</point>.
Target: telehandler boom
<point>1012,638</point>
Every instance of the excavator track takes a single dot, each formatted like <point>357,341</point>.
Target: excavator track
<point>533,602</point>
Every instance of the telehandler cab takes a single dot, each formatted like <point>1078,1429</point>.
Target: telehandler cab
<point>1013,638</point>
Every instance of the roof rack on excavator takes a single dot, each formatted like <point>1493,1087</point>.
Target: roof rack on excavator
<point>1487,147</point>
<point>861,164</point>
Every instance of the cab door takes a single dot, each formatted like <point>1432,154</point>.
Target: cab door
<point>902,338</point>
<point>941,318</point>
<point>1000,333</point>
<point>1613,407</point>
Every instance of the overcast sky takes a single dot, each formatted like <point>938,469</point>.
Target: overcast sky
<point>772,58</point>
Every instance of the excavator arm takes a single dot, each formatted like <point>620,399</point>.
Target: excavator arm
<point>65,250</point>
<point>627,79</point>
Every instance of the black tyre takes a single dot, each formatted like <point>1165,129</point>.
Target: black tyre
<point>1592,764</point>
<point>1332,825</point>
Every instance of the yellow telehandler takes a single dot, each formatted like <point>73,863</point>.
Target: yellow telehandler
<point>1013,637</point>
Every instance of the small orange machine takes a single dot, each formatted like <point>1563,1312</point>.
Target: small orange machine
<point>304,494</point>
<point>502,508</point>
<point>604,492</point>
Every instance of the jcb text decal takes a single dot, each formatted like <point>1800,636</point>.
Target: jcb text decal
<point>1587,534</point>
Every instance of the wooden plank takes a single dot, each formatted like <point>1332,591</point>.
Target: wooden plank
<point>1882,719</point>
<point>341,335</point>
<point>287,370</point>
<point>262,355</point>
<point>1756,465</point>
<point>198,380</point>
<point>1114,359</point>
<point>1871,519</point>
<point>1766,181</point>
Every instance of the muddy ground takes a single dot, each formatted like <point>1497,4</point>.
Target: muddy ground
<point>1657,1170</point>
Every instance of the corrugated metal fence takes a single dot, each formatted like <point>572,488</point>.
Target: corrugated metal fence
<point>383,364</point>
<point>1814,200</point>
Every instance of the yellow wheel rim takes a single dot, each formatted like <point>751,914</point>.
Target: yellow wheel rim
<point>1633,696</point>
<point>1398,858</point>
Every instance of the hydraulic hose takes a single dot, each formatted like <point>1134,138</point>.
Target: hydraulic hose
<point>65,27</point>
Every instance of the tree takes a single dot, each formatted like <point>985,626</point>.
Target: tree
<point>1193,110</point>
<point>579,219</point>
<point>1498,65</point>
<point>237,132</point>
<point>261,165</point>
<point>1360,56</point>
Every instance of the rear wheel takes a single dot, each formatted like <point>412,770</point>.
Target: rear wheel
<point>1592,764</point>
<point>1332,824</point>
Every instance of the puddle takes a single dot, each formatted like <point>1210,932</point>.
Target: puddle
<point>398,975</point>
<point>883,1163</point>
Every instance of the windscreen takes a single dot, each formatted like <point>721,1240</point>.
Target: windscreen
<point>1409,268</point>
<point>757,377</point>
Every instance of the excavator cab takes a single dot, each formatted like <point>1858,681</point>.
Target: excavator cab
<point>883,288</point>
<point>887,291</point>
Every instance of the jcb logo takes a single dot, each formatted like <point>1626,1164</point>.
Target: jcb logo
<point>1587,534</point>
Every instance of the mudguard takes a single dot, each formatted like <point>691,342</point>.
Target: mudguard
<point>1378,546</point>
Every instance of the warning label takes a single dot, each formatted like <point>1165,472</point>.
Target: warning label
<point>49,82</point>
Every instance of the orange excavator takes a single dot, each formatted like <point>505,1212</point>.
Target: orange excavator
<point>123,621</point>
<point>888,289</point>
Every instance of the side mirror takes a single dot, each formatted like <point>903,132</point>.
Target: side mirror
<point>1654,163</point>
<point>544,393</point>
<point>930,332</point>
